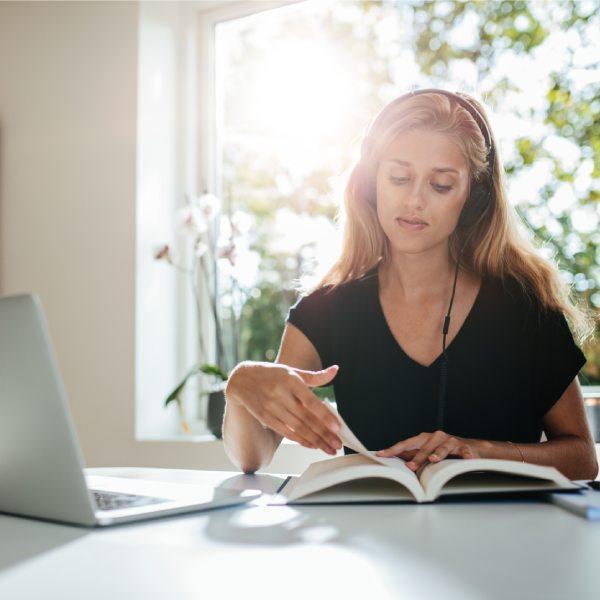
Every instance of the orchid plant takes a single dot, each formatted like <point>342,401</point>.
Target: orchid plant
<point>201,224</point>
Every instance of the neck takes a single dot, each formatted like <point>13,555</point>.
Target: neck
<point>419,278</point>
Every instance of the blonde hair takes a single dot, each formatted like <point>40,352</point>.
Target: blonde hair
<point>493,244</point>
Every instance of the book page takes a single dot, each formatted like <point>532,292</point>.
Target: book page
<point>358,491</point>
<point>352,442</point>
<point>489,475</point>
<point>324,474</point>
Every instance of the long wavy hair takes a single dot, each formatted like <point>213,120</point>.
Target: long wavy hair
<point>493,244</point>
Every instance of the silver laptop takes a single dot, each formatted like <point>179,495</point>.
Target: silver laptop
<point>41,466</point>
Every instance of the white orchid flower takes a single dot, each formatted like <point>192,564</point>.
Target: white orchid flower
<point>208,205</point>
<point>241,222</point>
<point>191,220</point>
<point>161,252</point>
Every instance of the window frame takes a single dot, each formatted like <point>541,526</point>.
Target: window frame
<point>186,78</point>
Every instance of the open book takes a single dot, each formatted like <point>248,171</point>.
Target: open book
<point>365,477</point>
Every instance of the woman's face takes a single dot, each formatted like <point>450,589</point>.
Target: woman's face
<point>423,176</point>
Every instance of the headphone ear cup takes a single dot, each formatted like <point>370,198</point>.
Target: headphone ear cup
<point>474,206</point>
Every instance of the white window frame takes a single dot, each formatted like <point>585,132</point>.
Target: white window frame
<point>178,110</point>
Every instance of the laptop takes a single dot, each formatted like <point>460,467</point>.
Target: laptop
<point>41,466</point>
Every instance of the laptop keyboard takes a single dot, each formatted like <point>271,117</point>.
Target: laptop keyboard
<point>116,500</point>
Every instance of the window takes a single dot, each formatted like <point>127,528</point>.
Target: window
<point>281,94</point>
<point>295,90</point>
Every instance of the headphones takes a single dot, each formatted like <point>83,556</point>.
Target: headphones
<point>479,198</point>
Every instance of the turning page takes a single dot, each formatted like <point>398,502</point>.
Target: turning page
<point>363,476</point>
<point>351,441</point>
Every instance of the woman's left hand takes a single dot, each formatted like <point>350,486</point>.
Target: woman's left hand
<point>432,447</point>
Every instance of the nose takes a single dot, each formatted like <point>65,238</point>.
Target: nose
<point>416,198</point>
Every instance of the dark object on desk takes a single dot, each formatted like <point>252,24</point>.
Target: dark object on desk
<point>591,397</point>
<point>215,412</point>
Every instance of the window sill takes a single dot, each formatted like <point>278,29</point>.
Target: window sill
<point>198,438</point>
<point>183,437</point>
<point>201,434</point>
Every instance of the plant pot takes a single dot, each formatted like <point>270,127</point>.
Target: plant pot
<point>215,410</point>
<point>592,410</point>
<point>591,397</point>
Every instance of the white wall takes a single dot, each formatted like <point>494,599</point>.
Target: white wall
<point>68,118</point>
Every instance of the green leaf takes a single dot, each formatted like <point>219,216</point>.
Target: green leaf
<point>214,370</point>
<point>174,395</point>
<point>204,368</point>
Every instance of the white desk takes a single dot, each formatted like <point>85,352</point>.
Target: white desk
<point>509,549</point>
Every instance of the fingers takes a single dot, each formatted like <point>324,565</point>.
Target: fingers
<point>412,443</point>
<point>315,410</point>
<point>330,443</point>
<point>282,429</point>
<point>428,447</point>
<point>278,424</point>
<point>445,449</point>
<point>407,454</point>
<point>437,445</point>
<point>433,451</point>
<point>317,378</point>
<point>299,422</point>
<point>441,452</point>
<point>327,440</point>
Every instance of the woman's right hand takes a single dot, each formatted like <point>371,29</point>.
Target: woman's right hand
<point>279,397</point>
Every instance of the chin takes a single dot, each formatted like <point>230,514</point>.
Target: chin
<point>404,245</point>
<point>415,247</point>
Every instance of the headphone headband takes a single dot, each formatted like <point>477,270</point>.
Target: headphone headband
<point>465,104</point>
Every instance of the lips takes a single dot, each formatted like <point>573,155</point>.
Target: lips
<point>420,226</point>
<point>413,221</point>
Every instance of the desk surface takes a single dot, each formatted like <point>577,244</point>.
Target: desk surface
<point>471,550</point>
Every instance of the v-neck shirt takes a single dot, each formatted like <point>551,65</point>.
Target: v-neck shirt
<point>385,325</point>
<point>508,364</point>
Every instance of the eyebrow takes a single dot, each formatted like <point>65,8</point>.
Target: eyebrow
<point>437,169</point>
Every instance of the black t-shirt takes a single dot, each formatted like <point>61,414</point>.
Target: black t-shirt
<point>507,366</point>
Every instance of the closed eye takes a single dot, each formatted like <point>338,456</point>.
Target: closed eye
<point>440,188</point>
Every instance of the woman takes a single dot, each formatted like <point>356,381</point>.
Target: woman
<point>429,233</point>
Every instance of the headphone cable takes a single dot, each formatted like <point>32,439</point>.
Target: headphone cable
<point>444,367</point>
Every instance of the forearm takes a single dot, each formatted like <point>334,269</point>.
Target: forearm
<point>246,443</point>
<point>572,456</point>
